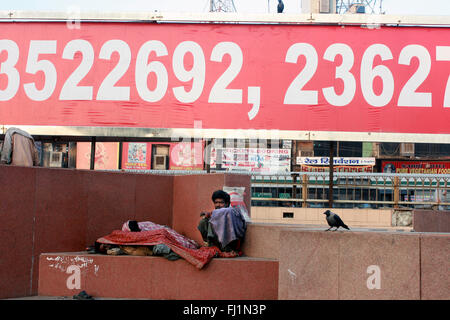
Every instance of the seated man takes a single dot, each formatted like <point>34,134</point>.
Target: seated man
<point>225,226</point>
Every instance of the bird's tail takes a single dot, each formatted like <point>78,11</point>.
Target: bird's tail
<point>346,227</point>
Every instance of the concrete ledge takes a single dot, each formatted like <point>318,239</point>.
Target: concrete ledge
<point>314,216</point>
<point>136,277</point>
<point>299,264</point>
<point>262,240</point>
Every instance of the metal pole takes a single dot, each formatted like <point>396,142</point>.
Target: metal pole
<point>207,155</point>
<point>331,166</point>
<point>294,185</point>
<point>305,190</point>
<point>120,154</point>
<point>93,142</point>
<point>396,191</point>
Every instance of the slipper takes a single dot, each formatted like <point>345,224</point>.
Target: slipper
<point>91,249</point>
<point>82,296</point>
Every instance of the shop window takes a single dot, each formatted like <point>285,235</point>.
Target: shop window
<point>341,149</point>
<point>389,149</point>
<point>55,155</point>
<point>431,150</point>
<point>160,157</point>
<point>349,149</point>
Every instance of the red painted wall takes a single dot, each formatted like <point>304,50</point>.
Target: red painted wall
<point>64,210</point>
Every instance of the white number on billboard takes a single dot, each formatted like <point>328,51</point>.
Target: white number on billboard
<point>143,69</point>
<point>108,89</point>
<point>71,89</point>
<point>7,67</point>
<point>369,73</point>
<point>295,93</point>
<point>408,96</point>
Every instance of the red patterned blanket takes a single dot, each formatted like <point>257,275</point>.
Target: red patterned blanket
<point>198,257</point>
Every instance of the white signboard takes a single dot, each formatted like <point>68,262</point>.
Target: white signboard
<point>337,161</point>
<point>252,159</point>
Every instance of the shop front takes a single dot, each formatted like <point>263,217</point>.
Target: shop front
<point>141,155</point>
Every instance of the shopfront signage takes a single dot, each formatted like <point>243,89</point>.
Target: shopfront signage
<point>256,160</point>
<point>425,167</point>
<point>337,161</point>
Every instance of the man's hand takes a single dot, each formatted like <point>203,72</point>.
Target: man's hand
<point>205,214</point>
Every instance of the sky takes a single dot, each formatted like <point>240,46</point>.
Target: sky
<point>395,7</point>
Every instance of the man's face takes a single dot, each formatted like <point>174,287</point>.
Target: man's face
<point>219,203</point>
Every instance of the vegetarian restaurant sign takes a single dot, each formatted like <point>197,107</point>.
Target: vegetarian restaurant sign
<point>426,167</point>
<point>228,76</point>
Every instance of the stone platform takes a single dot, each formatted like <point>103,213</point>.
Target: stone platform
<point>135,277</point>
<point>48,216</point>
<point>282,263</point>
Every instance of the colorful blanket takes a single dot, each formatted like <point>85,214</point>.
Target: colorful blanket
<point>198,257</point>
<point>148,225</point>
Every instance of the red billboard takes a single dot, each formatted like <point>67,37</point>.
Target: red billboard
<point>227,76</point>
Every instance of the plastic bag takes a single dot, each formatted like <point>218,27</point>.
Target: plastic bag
<point>237,200</point>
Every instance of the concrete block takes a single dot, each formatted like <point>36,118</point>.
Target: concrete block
<point>136,277</point>
<point>262,240</point>
<point>376,266</point>
<point>431,221</point>
<point>17,206</point>
<point>435,266</point>
<point>308,266</point>
<point>342,265</point>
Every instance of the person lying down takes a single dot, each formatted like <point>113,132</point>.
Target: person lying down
<point>151,239</point>
<point>160,249</point>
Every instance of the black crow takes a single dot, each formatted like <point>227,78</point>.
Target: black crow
<point>334,221</point>
<point>280,6</point>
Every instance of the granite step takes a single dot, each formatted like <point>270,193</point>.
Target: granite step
<point>64,274</point>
